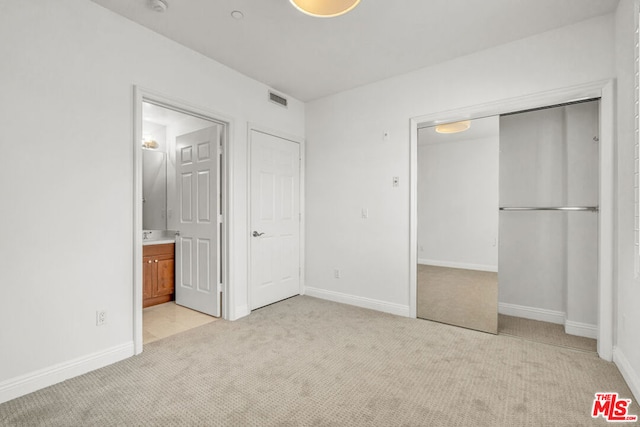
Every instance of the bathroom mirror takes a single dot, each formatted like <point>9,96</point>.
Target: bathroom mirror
<point>154,190</point>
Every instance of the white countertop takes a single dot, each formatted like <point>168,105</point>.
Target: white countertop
<point>158,242</point>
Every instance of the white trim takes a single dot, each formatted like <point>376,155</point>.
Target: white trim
<point>139,95</point>
<point>532,313</point>
<point>240,312</point>
<point>603,89</point>
<point>301,142</point>
<point>137,220</point>
<point>462,265</point>
<point>303,216</point>
<point>628,373</point>
<point>606,222</point>
<point>552,316</point>
<point>42,378</point>
<point>413,217</point>
<point>581,329</point>
<point>387,307</point>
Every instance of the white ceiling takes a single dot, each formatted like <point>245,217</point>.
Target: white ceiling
<point>309,58</point>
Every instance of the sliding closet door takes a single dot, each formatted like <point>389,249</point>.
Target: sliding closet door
<point>457,281</point>
<point>548,252</point>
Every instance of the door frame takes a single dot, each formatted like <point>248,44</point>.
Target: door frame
<point>603,89</point>
<point>141,95</point>
<point>301,142</point>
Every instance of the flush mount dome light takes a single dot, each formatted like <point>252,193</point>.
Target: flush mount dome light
<point>325,8</point>
<point>159,6</point>
<point>454,127</point>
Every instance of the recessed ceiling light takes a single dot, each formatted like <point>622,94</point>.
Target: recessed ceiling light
<point>158,5</point>
<point>324,8</point>
<point>236,14</point>
<point>454,127</point>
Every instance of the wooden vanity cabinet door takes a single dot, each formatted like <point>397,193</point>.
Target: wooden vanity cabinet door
<point>165,280</point>
<point>158,270</point>
<point>148,273</point>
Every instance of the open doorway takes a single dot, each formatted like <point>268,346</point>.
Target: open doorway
<point>549,201</point>
<point>180,239</point>
<point>602,90</point>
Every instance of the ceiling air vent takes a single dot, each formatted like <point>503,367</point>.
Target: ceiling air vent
<point>277,99</point>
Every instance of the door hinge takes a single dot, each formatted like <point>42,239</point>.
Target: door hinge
<point>219,219</point>
<point>219,149</point>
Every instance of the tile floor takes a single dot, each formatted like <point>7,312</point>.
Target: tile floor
<point>163,320</point>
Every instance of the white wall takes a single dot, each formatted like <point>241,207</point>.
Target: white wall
<point>350,164</point>
<point>458,203</point>
<point>627,345</point>
<point>66,177</point>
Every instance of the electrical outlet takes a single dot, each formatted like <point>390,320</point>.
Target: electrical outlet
<point>336,273</point>
<point>101,317</point>
<point>365,213</point>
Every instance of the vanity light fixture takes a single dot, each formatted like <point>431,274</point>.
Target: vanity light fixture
<point>324,8</point>
<point>149,143</point>
<point>454,127</point>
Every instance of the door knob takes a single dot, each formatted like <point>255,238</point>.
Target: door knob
<point>256,234</point>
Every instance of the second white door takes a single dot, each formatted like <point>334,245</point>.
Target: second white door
<point>275,219</point>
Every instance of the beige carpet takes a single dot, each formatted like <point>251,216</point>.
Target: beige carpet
<point>543,332</point>
<point>309,362</point>
<point>459,297</point>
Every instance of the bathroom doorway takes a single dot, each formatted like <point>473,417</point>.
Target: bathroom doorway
<point>181,203</point>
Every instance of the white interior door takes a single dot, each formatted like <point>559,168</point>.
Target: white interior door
<point>275,219</point>
<point>197,246</point>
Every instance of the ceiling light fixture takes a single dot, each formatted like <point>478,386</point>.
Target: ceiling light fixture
<point>454,127</point>
<point>324,8</point>
<point>236,14</point>
<point>158,5</point>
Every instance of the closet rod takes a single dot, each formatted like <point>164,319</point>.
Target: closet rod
<point>560,208</point>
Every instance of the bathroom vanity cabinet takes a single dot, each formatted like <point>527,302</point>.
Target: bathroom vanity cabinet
<point>158,273</point>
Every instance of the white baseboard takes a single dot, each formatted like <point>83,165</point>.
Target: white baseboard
<point>532,313</point>
<point>387,307</point>
<point>463,265</point>
<point>581,329</point>
<point>46,377</point>
<point>629,374</point>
